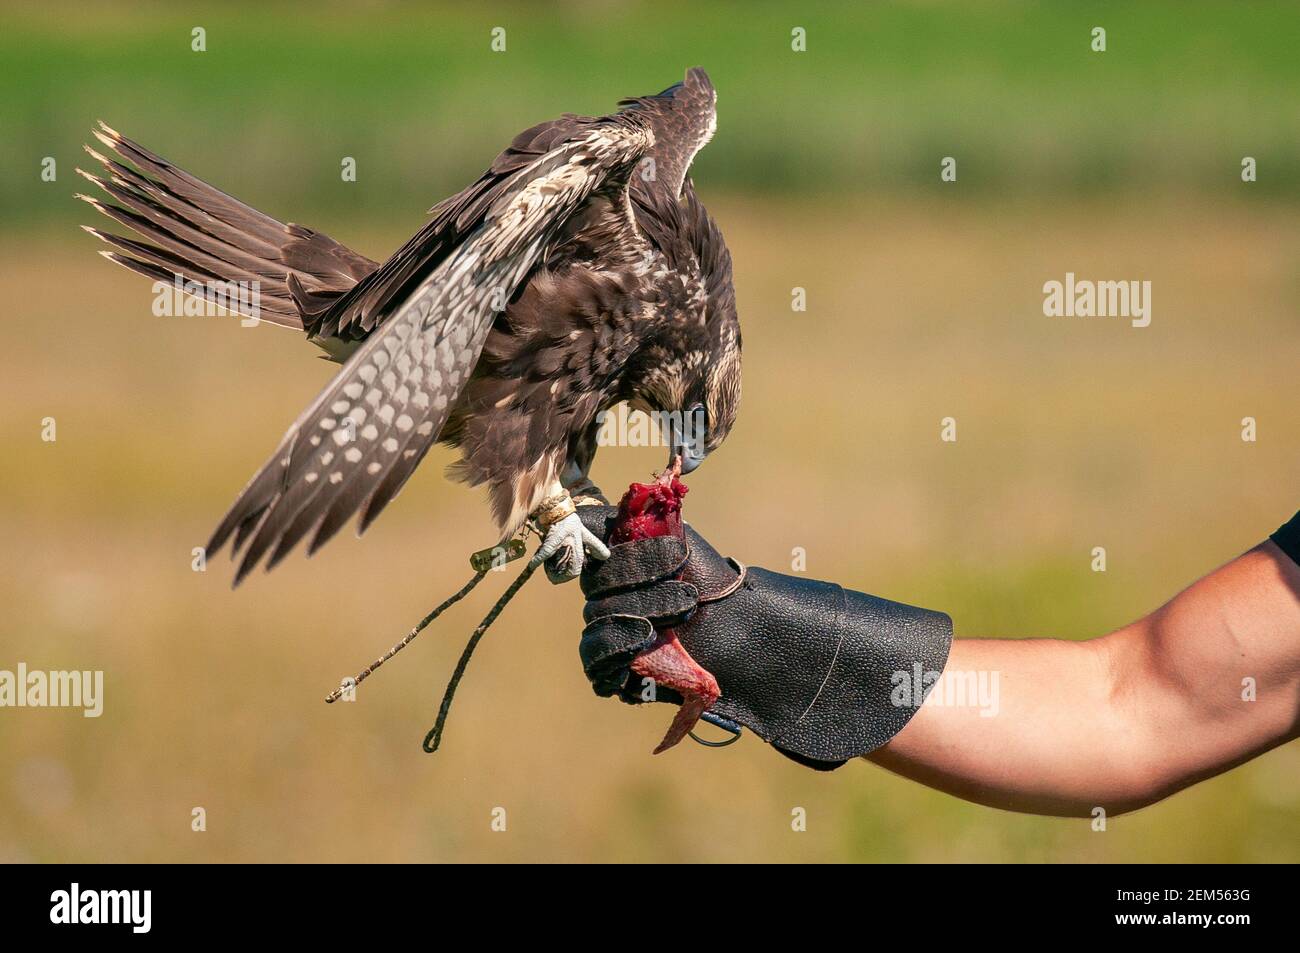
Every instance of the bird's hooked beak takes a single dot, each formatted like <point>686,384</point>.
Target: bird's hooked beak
<point>686,438</point>
<point>689,460</point>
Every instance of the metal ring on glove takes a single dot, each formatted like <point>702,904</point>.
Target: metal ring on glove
<point>726,724</point>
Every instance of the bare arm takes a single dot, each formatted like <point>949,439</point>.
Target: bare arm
<point>1125,720</point>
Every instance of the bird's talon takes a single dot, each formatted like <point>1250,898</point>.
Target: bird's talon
<point>565,547</point>
<point>596,547</point>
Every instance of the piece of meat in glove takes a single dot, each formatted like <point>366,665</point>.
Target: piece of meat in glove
<point>655,509</point>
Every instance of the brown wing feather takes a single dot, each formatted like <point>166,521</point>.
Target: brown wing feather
<point>365,433</point>
<point>355,314</point>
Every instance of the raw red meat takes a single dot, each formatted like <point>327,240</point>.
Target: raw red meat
<point>655,509</point>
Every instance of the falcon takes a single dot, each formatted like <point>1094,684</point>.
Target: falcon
<point>580,271</point>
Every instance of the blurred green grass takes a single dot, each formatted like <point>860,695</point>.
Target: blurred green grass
<point>414,93</point>
<point>922,304</point>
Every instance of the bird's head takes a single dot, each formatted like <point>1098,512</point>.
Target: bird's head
<point>688,371</point>
<point>711,403</point>
<point>695,394</point>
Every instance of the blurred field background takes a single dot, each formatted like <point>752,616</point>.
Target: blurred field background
<point>924,301</point>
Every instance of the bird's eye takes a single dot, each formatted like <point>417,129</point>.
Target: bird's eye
<point>697,428</point>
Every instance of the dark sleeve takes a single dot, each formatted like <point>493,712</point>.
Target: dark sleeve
<point>1287,538</point>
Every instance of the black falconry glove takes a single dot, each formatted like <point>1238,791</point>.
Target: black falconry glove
<point>820,672</point>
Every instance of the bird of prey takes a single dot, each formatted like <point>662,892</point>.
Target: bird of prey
<point>579,271</point>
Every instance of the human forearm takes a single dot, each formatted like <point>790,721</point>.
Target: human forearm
<point>1122,721</point>
<point>1046,743</point>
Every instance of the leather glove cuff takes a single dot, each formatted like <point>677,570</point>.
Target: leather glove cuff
<point>830,673</point>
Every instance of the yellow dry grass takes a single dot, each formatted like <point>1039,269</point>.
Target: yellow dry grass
<point>1072,434</point>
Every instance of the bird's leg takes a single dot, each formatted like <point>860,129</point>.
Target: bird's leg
<point>666,662</point>
<point>566,542</point>
<point>574,478</point>
<point>586,493</point>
